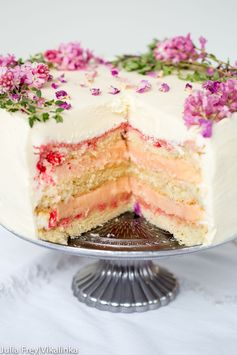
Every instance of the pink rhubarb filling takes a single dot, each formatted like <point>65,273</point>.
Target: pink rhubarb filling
<point>113,194</point>
<point>53,160</point>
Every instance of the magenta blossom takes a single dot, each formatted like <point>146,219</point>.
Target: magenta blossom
<point>61,94</point>
<point>65,105</point>
<point>176,49</point>
<point>8,61</point>
<point>62,79</point>
<point>69,56</point>
<point>188,86</point>
<point>33,74</point>
<point>143,86</point>
<point>54,86</point>
<point>137,209</point>
<point>41,71</point>
<point>95,91</point>
<point>114,72</point>
<point>52,56</point>
<point>203,42</point>
<point>9,79</point>
<point>164,87</point>
<point>114,91</point>
<point>217,100</point>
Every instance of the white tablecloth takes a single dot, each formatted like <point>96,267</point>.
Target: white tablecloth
<point>37,307</point>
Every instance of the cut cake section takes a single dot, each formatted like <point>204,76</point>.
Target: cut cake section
<point>83,185</point>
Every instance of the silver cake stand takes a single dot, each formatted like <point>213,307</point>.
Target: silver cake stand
<point>124,279</point>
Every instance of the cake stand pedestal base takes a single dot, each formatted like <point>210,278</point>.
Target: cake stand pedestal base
<point>124,286</point>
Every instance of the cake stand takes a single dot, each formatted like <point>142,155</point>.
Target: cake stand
<point>124,279</point>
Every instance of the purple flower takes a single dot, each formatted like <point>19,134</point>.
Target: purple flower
<point>164,87</point>
<point>176,49</point>
<point>137,209</point>
<point>40,101</point>
<point>62,79</point>
<point>69,56</point>
<point>210,71</point>
<point>188,86</point>
<point>65,105</point>
<point>15,97</point>
<point>95,91</point>
<point>152,74</point>
<point>8,61</point>
<point>114,91</point>
<point>54,85</point>
<point>206,127</point>
<point>212,86</point>
<point>9,79</point>
<point>114,72</point>
<point>217,100</point>
<point>61,94</point>
<point>203,42</point>
<point>143,86</point>
<point>33,74</point>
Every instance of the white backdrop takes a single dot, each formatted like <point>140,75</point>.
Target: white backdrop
<point>36,304</point>
<point>111,27</point>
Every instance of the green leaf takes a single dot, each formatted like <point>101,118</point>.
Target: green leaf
<point>59,102</point>
<point>45,116</point>
<point>37,92</point>
<point>58,118</point>
<point>59,109</point>
<point>31,121</point>
<point>31,108</point>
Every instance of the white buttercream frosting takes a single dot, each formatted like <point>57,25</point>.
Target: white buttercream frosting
<point>155,113</point>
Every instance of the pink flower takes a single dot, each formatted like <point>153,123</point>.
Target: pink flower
<point>41,71</point>
<point>69,56</point>
<point>33,74</point>
<point>61,94</point>
<point>95,91</point>
<point>217,100</point>
<point>203,42</point>
<point>8,61</point>
<point>65,105</point>
<point>40,101</point>
<point>152,74</point>
<point>114,72</point>
<point>164,87</point>
<point>176,49</point>
<point>206,127</point>
<point>54,86</point>
<point>62,79</point>
<point>137,209</point>
<point>114,91</point>
<point>15,97</point>
<point>188,87</point>
<point>52,56</point>
<point>143,86</point>
<point>8,79</point>
<point>210,71</point>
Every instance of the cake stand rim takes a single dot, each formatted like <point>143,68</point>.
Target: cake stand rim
<point>119,254</point>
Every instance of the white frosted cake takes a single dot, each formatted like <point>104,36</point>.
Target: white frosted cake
<point>83,141</point>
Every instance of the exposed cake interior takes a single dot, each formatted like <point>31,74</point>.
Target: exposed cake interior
<point>83,185</point>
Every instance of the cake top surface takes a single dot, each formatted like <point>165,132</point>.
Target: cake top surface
<point>175,84</point>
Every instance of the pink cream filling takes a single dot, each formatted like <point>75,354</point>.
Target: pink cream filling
<point>113,194</point>
<point>179,168</point>
<point>97,160</point>
<point>154,199</point>
<point>118,154</point>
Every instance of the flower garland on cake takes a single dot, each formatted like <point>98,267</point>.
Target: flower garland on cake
<point>21,82</point>
<point>180,56</point>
